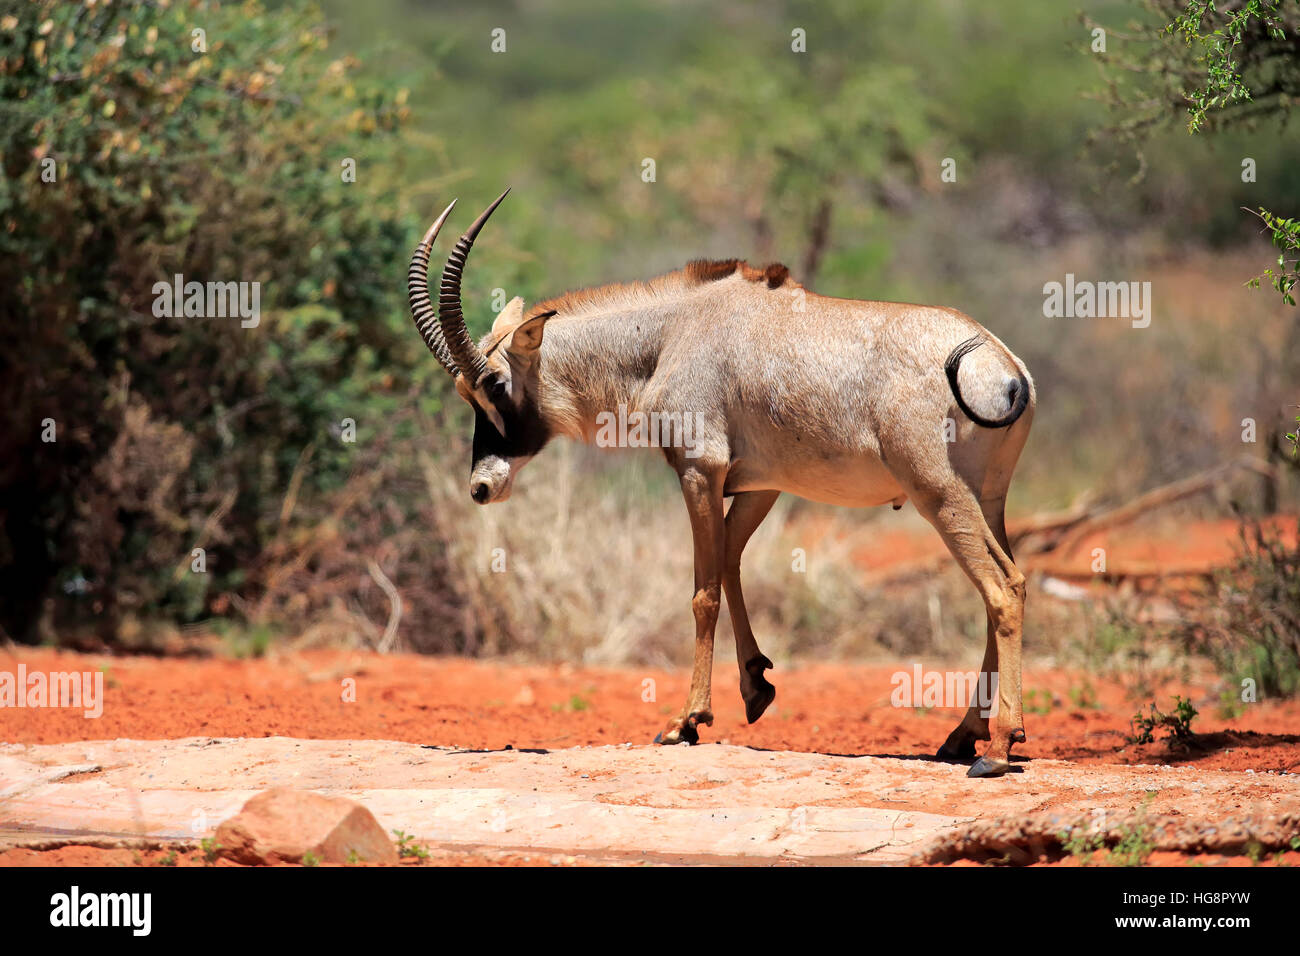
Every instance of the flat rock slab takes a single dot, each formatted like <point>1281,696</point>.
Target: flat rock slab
<point>710,803</point>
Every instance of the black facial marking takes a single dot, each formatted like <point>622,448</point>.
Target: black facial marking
<point>526,433</point>
<point>496,390</point>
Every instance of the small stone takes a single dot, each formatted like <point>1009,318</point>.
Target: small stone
<point>282,825</point>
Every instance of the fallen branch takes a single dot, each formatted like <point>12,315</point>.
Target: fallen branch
<point>1045,524</point>
<point>1158,498</point>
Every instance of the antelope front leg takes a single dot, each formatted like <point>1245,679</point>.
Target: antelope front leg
<point>703,492</point>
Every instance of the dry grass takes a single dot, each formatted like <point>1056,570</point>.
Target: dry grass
<point>591,561</point>
<point>565,570</point>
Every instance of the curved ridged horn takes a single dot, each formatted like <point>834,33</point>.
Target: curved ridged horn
<point>417,291</point>
<point>463,350</point>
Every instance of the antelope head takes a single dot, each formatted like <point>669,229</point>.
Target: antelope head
<point>497,377</point>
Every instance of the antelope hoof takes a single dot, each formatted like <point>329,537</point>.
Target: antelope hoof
<point>686,731</point>
<point>755,689</point>
<point>960,744</point>
<point>963,749</point>
<point>986,767</point>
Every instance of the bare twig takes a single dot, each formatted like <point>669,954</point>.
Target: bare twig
<point>205,533</point>
<point>395,605</point>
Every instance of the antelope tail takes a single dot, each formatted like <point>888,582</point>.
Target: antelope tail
<point>1017,388</point>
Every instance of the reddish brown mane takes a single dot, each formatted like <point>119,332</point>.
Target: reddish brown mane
<point>694,273</point>
<point>711,270</point>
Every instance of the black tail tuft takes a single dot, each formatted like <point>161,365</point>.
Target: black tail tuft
<point>1017,392</point>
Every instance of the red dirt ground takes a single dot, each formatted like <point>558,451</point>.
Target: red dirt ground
<point>1169,549</point>
<point>1158,548</point>
<point>829,708</point>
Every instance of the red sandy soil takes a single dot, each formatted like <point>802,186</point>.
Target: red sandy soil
<point>1167,548</point>
<point>821,707</point>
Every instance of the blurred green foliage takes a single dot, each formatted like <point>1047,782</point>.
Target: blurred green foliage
<point>749,137</point>
<point>215,155</point>
<point>751,140</point>
<point>1221,69</point>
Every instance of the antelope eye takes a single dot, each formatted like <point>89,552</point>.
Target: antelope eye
<point>496,389</point>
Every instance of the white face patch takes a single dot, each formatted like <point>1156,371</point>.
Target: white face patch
<point>493,478</point>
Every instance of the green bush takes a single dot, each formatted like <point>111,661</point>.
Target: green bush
<point>1252,632</point>
<point>132,152</point>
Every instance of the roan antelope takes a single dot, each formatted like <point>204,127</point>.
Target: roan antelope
<point>835,400</point>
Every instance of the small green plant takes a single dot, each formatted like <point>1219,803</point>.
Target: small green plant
<point>1084,696</point>
<point>1294,438</point>
<point>1178,723</point>
<point>1135,842</point>
<point>1116,644</point>
<point>1184,713</point>
<point>247,642</point>
<point>1144,727</point>
<point>1230,705</point>
<point>354,857</point>
<point>576,703</point>
<point>1038,702</point>
<point>211,850</point>
<point>406,848</point>
<point>1082,845</point>
<point>1133,847</point>
<point>168,860</point>
<point>310,859</point>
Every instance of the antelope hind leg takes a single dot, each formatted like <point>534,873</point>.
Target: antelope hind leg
<point>747,511</point>
<point>966,530</point>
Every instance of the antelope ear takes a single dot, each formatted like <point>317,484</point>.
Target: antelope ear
<point>510,316</point>
<point>527,339</point>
